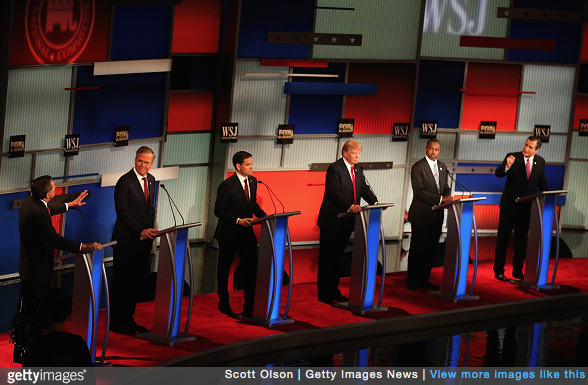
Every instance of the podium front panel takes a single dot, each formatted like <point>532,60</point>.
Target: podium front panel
<point>539,250</point>
<point>180,262</point>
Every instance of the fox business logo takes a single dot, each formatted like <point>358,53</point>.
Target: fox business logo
<point>34,376</point>
<point>58,30</point>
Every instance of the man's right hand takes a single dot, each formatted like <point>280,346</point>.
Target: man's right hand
<point>245,222</point>
<point>509,161</point>
<point>148,233</point>
<point>95,245</point>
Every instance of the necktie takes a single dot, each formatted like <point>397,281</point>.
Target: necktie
<point>528,168</point>
<point>145,188</point>
<point>246,189</point>
<point>353,179</point>
<point>436,175</point>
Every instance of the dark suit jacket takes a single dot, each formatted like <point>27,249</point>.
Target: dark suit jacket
<point>338,195</point>
<point>517,185</point>
<point>133,213</point>
<point>425,193</point>
<point>231,203</point>
<point>38,241</point>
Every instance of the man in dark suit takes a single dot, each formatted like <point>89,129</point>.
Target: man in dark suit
<point>236,203</point>
<point>133,230</point>
<point>525,172</point>
<point>430,188</point>
<point>38,241</point>
<point>345,185</point>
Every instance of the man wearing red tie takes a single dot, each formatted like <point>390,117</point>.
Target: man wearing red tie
<point>134,233</point>
<point>236,203</point>
<point>525,173</point>
<point>345,185</point>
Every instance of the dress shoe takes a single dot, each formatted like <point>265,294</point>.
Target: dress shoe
<point>140,328</point>
<point>411,286</point>
<point>429,286</point>
<point>328,301</point>
<point>518,275</point>
<point>500,277</point>
<point>340,298</point>
<point>226,309</point>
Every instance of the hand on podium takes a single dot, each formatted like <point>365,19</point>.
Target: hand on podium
<point>148,233</point>
<point>355,209</point>
<point>447,198</point>
<point>78,201</point>
<point>378,203</point>
<point>94,245</point>
<point>245,222</point>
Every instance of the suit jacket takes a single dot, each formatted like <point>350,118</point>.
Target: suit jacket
<point>133,213</point>
<point>425,193</point>
<point>231,203</point>
<point>38,241</point>
<point>338,195</point>
<point>517,185</point>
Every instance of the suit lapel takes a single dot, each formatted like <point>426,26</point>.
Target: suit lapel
<point>347,177</point>
<point>240,189</point>
<point>430,175</point>
<point>139,187</point>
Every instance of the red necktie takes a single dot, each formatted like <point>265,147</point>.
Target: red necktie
<point>353,179</point>
<point>246,190</point>
<point>528,168</point>
<point>145,188</point>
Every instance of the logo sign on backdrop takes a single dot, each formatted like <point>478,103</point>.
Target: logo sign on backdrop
<point>230,132</point>
<point>285,134</point>
<point>16,148</point>
<point>487,130</point>
<point>58,31</point>
<point>542,131</point>
<point>429,129</point>
<point>72,145</point>
<point>345,128</point>
<point>122,136</point>
<point>400,132</point>
<point>583,127</point>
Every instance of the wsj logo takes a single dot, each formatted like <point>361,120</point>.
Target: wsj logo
<point>400,132</point>
<point>428,129</point>
<point>72,145</point>
<point>230,132</point>
<point>455,17</point>
<point>542,132</point>
<point>58,30</point>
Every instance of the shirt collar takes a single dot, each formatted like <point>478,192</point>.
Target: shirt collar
<point>431,162</point>
<point>531,158</point>
<point>347,164</point>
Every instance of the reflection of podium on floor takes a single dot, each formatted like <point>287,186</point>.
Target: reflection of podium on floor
<point>460,220</point>
<point>174,252</point>
<point>364,261</point>
<point>543,215</point>
<point>273,236</point>
<point>89,278</point>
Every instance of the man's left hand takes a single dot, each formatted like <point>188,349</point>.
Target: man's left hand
<point>78,201</point>
<point>447,198</point>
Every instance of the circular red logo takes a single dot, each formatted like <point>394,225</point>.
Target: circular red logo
<point>59,30</point>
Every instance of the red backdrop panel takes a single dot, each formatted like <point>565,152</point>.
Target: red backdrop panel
<point>190,112</point>
<point>46,32</point>
<point>376,114</point>
<point>581,111</point>
<point>196,26</point>
<point>491,106</point>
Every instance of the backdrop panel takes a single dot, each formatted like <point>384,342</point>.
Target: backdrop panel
<point>186,149</point>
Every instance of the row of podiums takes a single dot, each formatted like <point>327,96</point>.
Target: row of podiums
<point>174,257</point>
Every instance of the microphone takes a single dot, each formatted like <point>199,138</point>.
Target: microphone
<point>368,183</point>
<point>87,224</point>
<point>459,185</point>
<point>170,205</point>
<point>270,192</point>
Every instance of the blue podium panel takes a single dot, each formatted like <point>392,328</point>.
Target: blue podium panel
<point>373,238</point>
<point>179,261</point>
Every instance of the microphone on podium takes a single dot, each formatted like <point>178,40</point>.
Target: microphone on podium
<point>270,193</point>
<point>459,185</point>
<point>170,205</point>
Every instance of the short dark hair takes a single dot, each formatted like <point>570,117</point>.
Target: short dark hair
<point>240,157</point>
<point>145,150</point>
<point>534,138</point>
<point>433,140</point>
<point>41,186</point>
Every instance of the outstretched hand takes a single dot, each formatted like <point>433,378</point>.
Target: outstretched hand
<point>78,201</point>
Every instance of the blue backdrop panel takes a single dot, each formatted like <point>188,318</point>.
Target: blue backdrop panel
<point>490,183</point>
<point>566,34</point>
<point>438,95</point>
<point>141,32</point>
<point>258,17</point>
<point>137,100</point>
<point>10,240</point>
<point>322,88</point>
<point>315,114</point>
<point>99,210</point>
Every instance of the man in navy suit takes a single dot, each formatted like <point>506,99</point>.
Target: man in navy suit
<point>339,197</point>
<point>430,188</point>
<point>38,241</point>
<point>525,173</point>
<point>134,233</point>
<point>236,203</point>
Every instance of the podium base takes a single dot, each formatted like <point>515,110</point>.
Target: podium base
<point>265,323</point>
<point>357,309</point>
<point>450,297</point>
<point>533,286</point>
<point>153,337</point>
